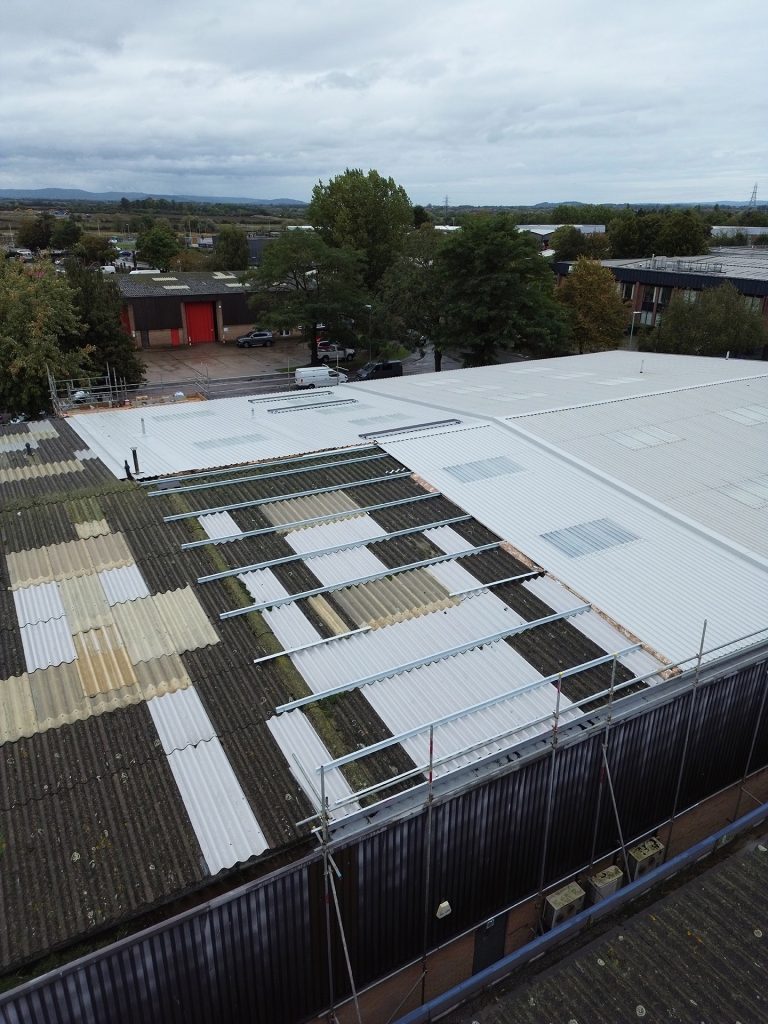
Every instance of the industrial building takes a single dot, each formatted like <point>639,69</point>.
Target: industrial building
<point>336,694</point>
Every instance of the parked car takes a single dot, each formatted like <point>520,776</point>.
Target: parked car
<point>318,377</point>
<point>255,338</point>
<point>378,369</point>
<point>329,351</point>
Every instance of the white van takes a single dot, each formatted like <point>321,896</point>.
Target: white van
<point>319,377</point>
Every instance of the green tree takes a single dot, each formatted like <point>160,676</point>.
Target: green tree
<point>158,245</point>
<point>624,236</point>
<point>597,314</point>
<point>303,280</point>
<point>682,233</point>
<point>498,293</point>
<point>94,250</point>
<point>231,251</point>
<point>97,303</point>
<point>35,232</point>
<point>364,212</point>
<point>66,233</point>
<point>421,216</point>
<point>36,312</point>
<point>191,259</point>
<point>719,321</point>
<point>411,290</point>
<point>568,242</point>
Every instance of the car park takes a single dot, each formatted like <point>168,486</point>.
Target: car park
<point>255,338</point>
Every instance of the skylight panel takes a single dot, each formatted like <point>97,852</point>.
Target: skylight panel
<point>483,469</point>
<point>586,538</point>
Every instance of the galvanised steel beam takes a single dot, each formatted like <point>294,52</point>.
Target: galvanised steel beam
<point>430,659</point>
<point>267,476</point>
<point>200,473</point>
<point>353,583</point>
<point>300,556</point>
<point>285,497</point>
<point>299,523</point>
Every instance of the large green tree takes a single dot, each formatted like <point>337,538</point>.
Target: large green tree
<point>97,303</point>
<point>597,314</point>
<point>498,293</point>
<point>682,233</point>
<point>364,212</point>
<point>719,321</point>
<point>94,250</point>
<point>35,232</point>
<point>231,251</point>
<point>158,245</point>
<point>303,280</point>
<point>411,296</point>
<point>36,312</point>
<point>66,233</point>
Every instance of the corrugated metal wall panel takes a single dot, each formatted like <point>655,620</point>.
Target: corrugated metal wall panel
<point>260,955</point>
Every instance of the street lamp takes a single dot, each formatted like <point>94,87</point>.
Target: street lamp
<point>632,327</point>
<point>370,318</point>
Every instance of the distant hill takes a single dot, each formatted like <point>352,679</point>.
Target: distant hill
<point>78,194</point>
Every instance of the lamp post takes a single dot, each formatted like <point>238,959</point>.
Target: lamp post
<point>632,327</point>
<point>370,318</point>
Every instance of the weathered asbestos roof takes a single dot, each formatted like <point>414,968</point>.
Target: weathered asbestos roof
<point>187,284</point>
<point>142,749</point>
<point>697,955</point>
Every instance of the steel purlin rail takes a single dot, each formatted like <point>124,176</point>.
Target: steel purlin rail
<point>430,659</point>
<point>299,523</point>
<point>198,474</point>
<point>533,722</point>
<point>265,476</point>
<point>286,497</point>
<point>355,755</point>
<point>300,556</point>
<point>318,591</point>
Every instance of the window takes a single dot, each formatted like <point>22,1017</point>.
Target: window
<point>690,294</point>
<point>584,539</point>
<point>483,469</point>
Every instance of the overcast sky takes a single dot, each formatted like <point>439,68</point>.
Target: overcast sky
<point>486,102</point>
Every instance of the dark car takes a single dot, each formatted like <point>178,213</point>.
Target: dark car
<point>378,369</point>
<point>255,338</point>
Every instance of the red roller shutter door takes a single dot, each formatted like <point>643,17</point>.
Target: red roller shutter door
<point>200,322</point>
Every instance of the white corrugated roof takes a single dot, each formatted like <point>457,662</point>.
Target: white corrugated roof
<point>123,584</point>
<point>218,809</point>
<point>305,752</point>
<point>47,643</point>
<point>219,524</point>
<point>661,586</point>
<point>380,650</point>
<point>38,603</point>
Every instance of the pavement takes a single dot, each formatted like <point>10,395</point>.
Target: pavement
<point>218,361</point>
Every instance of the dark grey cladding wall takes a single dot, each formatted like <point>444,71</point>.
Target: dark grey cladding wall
<point>260,955</point>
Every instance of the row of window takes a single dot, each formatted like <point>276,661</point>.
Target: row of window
<point>659,296</point>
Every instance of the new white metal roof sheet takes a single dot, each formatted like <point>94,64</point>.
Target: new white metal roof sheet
<point>380,650</point>
<point>47,643</point>
<point>708,457</point>
<point>443,688</point>
<point>661,586</point>
<point>228,431</point>
<point>305,752</point>
<point>446,539</point>
<point>219,524</point>
<point>218,809</point>
<point>38,603</point>
<point>328,535</point>
<point>123,584</point>
<point>180,719</point>
<point>342,566</point>
<point>546,384</point>
<point>262,585</point>
<point>290,625</point>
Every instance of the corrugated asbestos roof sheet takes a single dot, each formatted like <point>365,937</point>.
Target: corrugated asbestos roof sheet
<point>304,751</point>
<point>34,470</point>
<point>92,528</point>
<point>84,601</point>
<point>163,624</point>
<point>72,558</point>
<point>294,510</point>
<point>382,602</point>
<point>328,535</point>
<point>102,661</point>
